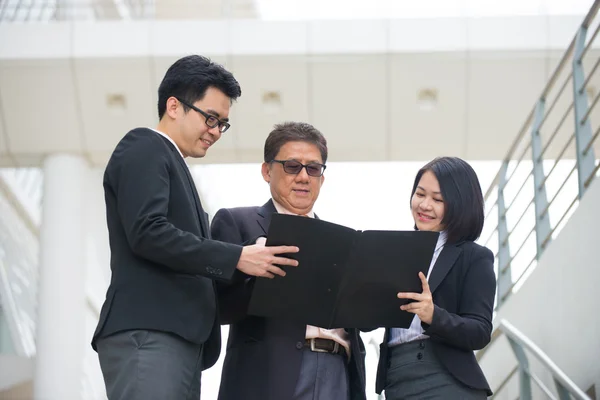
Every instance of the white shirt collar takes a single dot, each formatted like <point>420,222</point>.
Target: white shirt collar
<point>169,139</point>
<point>281,210</point>
<point>441,240</point>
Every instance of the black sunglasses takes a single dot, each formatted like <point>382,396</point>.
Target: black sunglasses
<point>294,167</point>
<point>211,120</point>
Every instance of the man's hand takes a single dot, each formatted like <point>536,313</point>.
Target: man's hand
<point>258,260</point>
<point>423,306</point>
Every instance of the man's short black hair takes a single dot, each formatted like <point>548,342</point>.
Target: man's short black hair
<point>463,200</point>
<point>294,132</point>
<point>189,78</point>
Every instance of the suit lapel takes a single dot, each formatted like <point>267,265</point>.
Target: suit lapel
<point>264,215</point>
<point>443,265</point>
<point>202,216</point>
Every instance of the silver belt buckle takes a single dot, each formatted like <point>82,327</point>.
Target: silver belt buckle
<point>336,347</point>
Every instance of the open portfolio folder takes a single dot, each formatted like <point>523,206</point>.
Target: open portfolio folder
<point>345,278</point>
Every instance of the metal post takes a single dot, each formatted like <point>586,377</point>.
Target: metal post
<point>563,393</point>
<point>524,378</point>
<point>504,269</point>
<point>583,129</point>
<point>542,218</point>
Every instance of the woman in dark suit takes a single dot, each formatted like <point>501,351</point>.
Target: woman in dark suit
<point>433,358</point>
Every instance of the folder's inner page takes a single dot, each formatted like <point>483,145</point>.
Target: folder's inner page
<point>382,264</point>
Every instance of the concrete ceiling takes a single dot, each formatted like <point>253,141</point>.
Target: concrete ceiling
<point>202,9</point>
<point>365,104</point>
<point>19,11</point>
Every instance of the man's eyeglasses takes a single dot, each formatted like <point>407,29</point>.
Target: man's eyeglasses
<point>211,120</point>
<point>294,167</point>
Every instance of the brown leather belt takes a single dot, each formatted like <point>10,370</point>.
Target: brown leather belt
<point>321,345</point>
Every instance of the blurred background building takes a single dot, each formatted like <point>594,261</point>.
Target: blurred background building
<point>511,86</point>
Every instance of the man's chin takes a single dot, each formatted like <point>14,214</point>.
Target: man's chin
<point>303,206</point>
<point>198,153</point>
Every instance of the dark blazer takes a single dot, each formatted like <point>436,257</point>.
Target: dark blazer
<point>463,285</point>
<point>264,355</point>
<point>163,262</point>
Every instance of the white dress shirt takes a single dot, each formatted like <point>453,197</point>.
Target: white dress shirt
<point>415,331</point>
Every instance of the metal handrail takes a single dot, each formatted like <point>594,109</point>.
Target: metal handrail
<point>591,107</point>
<point>582,139</point>
<point>545,210</point>
<point>519,160</point>
<point>586,23</point>
<point>492,233</point>
<point>18,273</point>
<point>517,338</point>
<point>560,124</point>
<point>6,191</point>
<point>547,238</point>
<point>590,178</point>
<point>558,158</point>
<point>519,278</point>
<point>518,220</point>
<point>593,139</point>
<point>506,380</point>
<point>591,73</point>
<point>509,206</point>
<point>556,98</point>
<point>504,267</point>
<point>538,147</point>
<point>491,209</point>
<point>549,85</point>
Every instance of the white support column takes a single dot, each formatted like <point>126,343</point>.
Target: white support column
<point>61,294</point>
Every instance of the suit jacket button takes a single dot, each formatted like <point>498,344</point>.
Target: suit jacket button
<point>299,345</point>
<point>420,356</point>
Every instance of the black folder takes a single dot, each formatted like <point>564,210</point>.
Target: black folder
<point>345,278</point>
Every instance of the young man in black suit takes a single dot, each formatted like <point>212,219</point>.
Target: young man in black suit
<point>279,359</point>
<point>158,327</point>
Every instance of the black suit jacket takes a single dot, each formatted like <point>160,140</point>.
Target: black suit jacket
<point>162,259</point>
<point>463,285</point>
<point>264,355</point>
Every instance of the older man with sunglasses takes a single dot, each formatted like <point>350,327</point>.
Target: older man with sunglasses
<point>278,359</point>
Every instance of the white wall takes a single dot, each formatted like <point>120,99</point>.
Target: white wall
<point>557,307</point>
